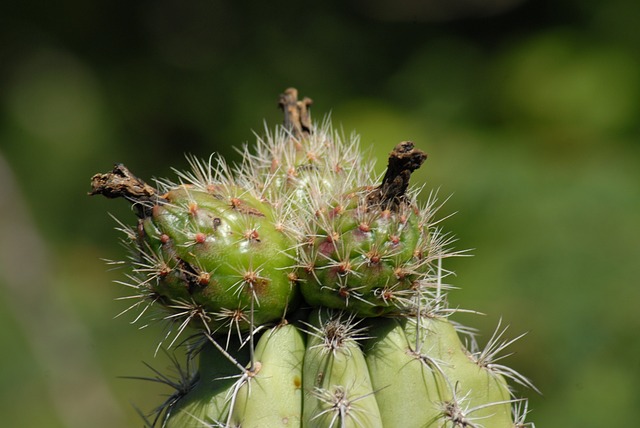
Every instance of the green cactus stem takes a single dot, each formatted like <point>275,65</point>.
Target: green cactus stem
<point>427,361</point>
<point>338,390</point>
<point>313,294</point>
<point>272,395</point>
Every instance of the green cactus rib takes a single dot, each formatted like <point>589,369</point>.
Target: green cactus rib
<point>409,386</point>
<point>337,388</point>
<point>272,395</point>
<point>312,294</point>
<point>446,386</point>
<point>477,394</point>
<point>382,372</point>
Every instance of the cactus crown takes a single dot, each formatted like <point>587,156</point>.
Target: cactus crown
<point>301,275</point>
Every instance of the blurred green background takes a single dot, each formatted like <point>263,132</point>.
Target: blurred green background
<point>528,110</point>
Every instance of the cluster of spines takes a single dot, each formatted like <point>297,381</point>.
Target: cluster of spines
<point>341,405</point>
<point>312,193</point>
<point>309,182</point>
<point>348,249</point>
<point>177,264</point>
<point>338,394</point>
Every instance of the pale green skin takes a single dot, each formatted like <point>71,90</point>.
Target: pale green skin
<point>345,368</point>
<point>387,383</point>
<point>411,393</point>
<point>407,388</point>
<point>273,396</point>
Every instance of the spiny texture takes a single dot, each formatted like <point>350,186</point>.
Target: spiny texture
<point>363,247</point>
<point>406,359</point>
<point>222,253</point>
<point>365,258</point>
<point>210,253</point>
<point>311,289</point>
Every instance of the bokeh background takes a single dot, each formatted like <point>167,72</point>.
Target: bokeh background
<point>528,110</point>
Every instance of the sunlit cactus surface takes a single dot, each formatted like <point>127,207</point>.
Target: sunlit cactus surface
<point>306,291</point>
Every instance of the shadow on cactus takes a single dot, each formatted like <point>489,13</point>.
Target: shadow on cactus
<point>310,292</point>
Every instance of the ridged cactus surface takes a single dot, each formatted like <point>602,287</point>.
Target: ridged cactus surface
<point>308,292</point>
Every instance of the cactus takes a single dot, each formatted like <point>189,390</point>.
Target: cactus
<point>369,248</point>
<point>338,388</point>
<point>311,295</point>
<point>213,254</point>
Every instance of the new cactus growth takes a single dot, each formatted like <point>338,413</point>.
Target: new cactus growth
<point>312,295</point>
<point>211,254</point>
<point>368,249</point>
